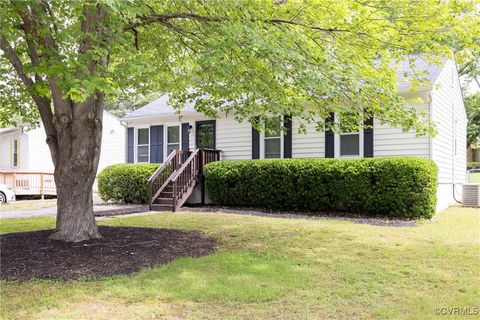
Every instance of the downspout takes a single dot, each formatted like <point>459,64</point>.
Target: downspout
<point>454,132</point>
<point>430,116</point>
<point>125,124</point>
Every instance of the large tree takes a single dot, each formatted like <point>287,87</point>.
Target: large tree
<point>62,59</point>
<point>472,107</point>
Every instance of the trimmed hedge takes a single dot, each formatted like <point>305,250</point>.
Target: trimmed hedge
<point>473,165</point>
<point>396,187</point>
<point>126,182</point>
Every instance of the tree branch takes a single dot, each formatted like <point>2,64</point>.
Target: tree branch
<point>16,63</point>
<point>43,103</point>
<point>165,18</point>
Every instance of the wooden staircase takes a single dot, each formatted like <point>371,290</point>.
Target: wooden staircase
<point>174,181</point>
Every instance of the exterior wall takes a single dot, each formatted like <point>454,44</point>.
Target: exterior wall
<point>113,142</point>
<point>449,146</point>
<point>234,139</point>
<point>6,153</point>
<point>190,118</point>
<point>308,145</point>
<point>39,152</point>
<point>35,154</point>
<point>393,142</point>
<point>443,105</point>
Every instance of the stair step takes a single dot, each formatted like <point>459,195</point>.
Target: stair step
<point>161,207</point>
<point>166,194</point>
<point>163,201</point>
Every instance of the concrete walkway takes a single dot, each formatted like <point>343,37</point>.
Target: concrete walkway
<point>100,210</point>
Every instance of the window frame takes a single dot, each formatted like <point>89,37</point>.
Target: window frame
<point>202,122</point>
<point>337,148</point>
<point>15,145</point>
<point>141,145</point>
<point>165,136</point>
<point>282,138</point>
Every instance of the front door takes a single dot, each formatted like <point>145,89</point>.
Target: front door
<point>205,134</point>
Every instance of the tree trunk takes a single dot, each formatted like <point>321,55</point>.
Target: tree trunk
<point>75,218</point>
<point>79,136</point>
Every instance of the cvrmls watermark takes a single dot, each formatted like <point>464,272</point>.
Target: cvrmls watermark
<point>457,311</point>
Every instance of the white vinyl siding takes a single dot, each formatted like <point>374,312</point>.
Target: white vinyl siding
<point>6,151</point>
<point>447,105</point>
<point>393,142</point>
<point>307,145</point>
<point>234,139</point>
<point>113,142</point>
<point>40,159</point>
<point>35,153</point>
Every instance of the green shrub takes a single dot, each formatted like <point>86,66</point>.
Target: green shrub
<point>126,182</point>
<point>397,187</point>
<point>473,165</point>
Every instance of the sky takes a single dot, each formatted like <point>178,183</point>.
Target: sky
<point>472,87</point>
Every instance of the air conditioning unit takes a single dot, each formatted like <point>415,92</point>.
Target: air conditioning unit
<point>471,195</point>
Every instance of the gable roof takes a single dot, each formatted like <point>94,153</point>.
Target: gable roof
<point>158,107</point>
<point>414,66</point>
<point>8,130</point>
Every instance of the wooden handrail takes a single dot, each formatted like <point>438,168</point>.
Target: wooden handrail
<point>184,165</point>
<point>182,179</point>
<point>162,166</point>
<point>155,182</point>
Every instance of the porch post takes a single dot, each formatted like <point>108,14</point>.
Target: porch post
<point>202,178</point>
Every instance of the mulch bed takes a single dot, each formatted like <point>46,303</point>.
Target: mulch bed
<point>31,255</point>
<point>360,219</point>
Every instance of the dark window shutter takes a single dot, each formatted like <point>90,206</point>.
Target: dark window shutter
<point>156,144</point>
<point>185,136</point>
<point>130,144</point>
<point>368,137</point>
<point>255,144</point>
<point>330,138</point>
<point>287,138</point>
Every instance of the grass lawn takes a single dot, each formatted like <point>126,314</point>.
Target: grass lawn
<point>474,177</point>
<point>275,268</point>
<point>27,205</point>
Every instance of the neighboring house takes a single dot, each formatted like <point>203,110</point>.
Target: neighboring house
<point>25,152</point>
<point>473,154</point>
<point>155,130</point>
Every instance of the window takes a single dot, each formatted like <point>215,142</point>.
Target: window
<point>349,144</point>
<point>143,137</point>
<point>205,134</point>
<point>15,153</point>
<point>273,138</point>
<point>173,139</point>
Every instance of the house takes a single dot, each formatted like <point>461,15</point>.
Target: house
<point>155,130</point>
<point>26,164</point>
<point>473,154</point>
